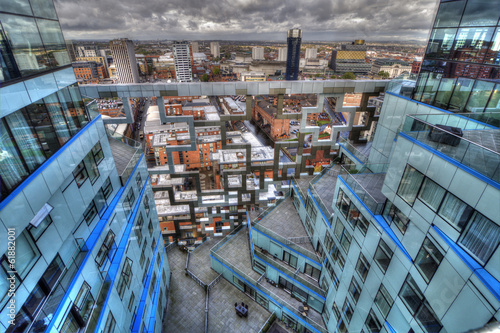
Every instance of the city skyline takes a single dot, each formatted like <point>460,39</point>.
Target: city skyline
<point>218,20</point>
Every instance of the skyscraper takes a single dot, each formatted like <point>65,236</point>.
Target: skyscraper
<point>183,58</point>
<point>294,41</point>
<point>79,250</point>
<point>124,59</point>
<point>195,46</point>
<point>257,53</point>
<point>215,49</point>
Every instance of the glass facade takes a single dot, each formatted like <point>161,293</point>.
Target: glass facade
<point>460,70</point>
<point>294,41</point>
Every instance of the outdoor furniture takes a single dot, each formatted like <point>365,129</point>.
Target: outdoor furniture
<point>241,311</point>
<point>445,134</point>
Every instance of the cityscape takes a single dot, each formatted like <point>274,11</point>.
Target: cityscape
<point>309,177</point>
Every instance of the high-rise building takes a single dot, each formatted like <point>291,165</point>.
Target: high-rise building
<point>294,40</point>
<point>124,60</point>
<point>282,53</point>
<point>215,49</point>
<point>70,47</point>
<point>87,51</point>
<point>80,246</point>
<point>257,53</point>
<point>195,46</point>
<point>350,58</point>
<point>311,53</point>
<point>183,58</point>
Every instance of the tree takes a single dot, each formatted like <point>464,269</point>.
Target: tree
<point>383,74</point>
<point>204,78</point>
<point>349,76</point>
<point>216,71</point>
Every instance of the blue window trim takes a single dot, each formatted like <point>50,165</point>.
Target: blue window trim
<point>45,164</point>
<point>300,254</point>
<point>452,161</point>
<point>152,311</point>
<point>486,278</point>
<point>442,110</point>
<point>320,210</point>
<point>381,222</point>
<point>142,304</point>
<point>391,329</point>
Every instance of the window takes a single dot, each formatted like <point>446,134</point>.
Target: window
<point>309,226</point>
<point>107,188</point>
<point>105,251</point>
<point>153,245</point>
<point>343,203</point>
<point>394,215</point>
<point>80,174</point>
<point>97,153</point>
<point>36,232</point>
<point>311,210</point>
<point>411,295</point>
<point>348,311</point>
<point>260,267</point>
<point>383,255</point>
<point>345,242</point>
<point>333,276</point>
<point>339,229</point>
<point>354,290</point>
<point>125,277</point>
<point>372,323</point>
<point>455,211</point>
<point>150,228</point>
<point>262,300</point>
<point>431,194</point>
<point>153,284</point>
<point>131,301</point>
<point>138,180</point>
<point>129,201</point>
<point>90,213</point>
<point>363,225</point>
<point>143,254</point>
<point>138,229</point>
<point>427,320</point>
<point>383,301</point>
<point>312,271</point>
<point>146,270</point>
<point>410,183</point>
<point>480,238</point>
<point>91,167</point>
<point>328,243</point>
<point>362,267</point>
<point>146,205</point>
<point>290,259</point>
<point>84,302</point>
<point>428,259</point>
<point>353,216</point>
<point>110,324</point>
<point>336,311</point>
<point>337,256</point>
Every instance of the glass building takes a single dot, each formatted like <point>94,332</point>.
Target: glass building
<point>80,246</point>
<point>461,68</point>
<point>294,40</point>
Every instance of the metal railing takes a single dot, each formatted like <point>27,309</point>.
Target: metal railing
<point>127,171</point>
<point>269,322</point>
<point>285,269</point>
<point>347,173</point>
<point>471,154</point>
<point>353,150</point>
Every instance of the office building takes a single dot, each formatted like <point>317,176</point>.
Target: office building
<point>400,237</point>
<point>89,71</point>
<point>282,54</point>
<point>416,65</point>
<point>87,51</point>
<point>124,60</point>
<point>85,253</point>
<point>350,58</point>
<point>311,53</point>
<point>394,67</point>
<point>183,58</point>
<point>257,53</point>
<point>214,49</point>
<point>294,40</point>
<point>196,47</point>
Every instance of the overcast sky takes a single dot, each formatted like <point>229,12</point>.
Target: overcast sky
<point>326,20</point>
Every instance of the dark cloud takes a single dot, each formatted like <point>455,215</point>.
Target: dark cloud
<point>328,20</point>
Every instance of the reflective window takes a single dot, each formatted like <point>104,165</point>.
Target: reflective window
<point>481,237</point>
<point>471,44</point>
<point>25,42</point>
<point>479,96</point>
<point>53,40</point>
<point>44,8</point>
<point>383,255</point>
<point>440,43</point>
<point>428,259</point>
<point>410,183</point>
<point>449,14</point>
<point>16,6</point>
<point>444,92</point>
<point>431,193</point>
<point>12,169</point>
<point>493,53</point>
<point>460,94</point>
<point>455,211</point>
<point>494,103</point>
<point>481,13</point>
<point>40,120</point>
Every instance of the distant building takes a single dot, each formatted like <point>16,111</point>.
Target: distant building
<point>124,60</point>
<point>89,71</point>
<point>311,53</point>
<point>195,46</point>
<point>294,40</point>
<point>253,76</point>
<point>350,58</point>
<point>265,115</point>
<point>394,67</point>
<point>258,53</point>
<point>86,51</point>
<point>183,58</point>
<point>100,60</point>
<point>415,66</point>
<point>214,49</point>
<point>282,51</point>
<point>71,50</point>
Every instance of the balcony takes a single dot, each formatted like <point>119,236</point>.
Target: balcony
<point>360,154</point>
<point>322,188</point>
<point>367,183</point>
<point>478,148</point>
<point>126,153</point>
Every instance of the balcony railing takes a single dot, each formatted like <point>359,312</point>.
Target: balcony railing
<point>286,269</point>
<point>462,149</point>
<point>350,148</point>
<point>348,173</point>
<point>133,157</point>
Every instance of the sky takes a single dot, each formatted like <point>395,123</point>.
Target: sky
<point>320,20</point>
